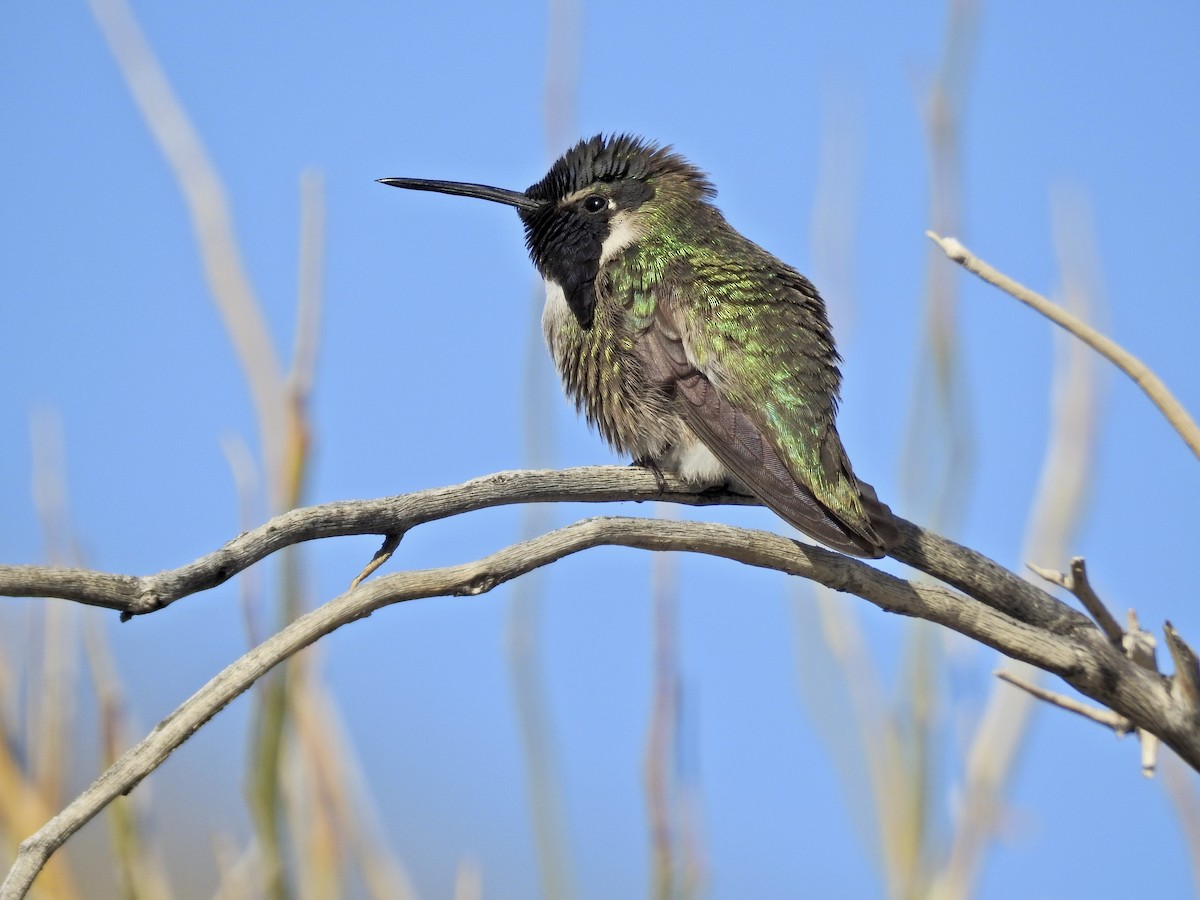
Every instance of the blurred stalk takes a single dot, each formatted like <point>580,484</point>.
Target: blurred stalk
<point>895,739</point>
<point>263,789</point>
<point>247,487</point>
<point>1180,784</point>
<point>140,870</point>
<point>835,673</point>
<point>889,738</point>
<point>208,207</point>
<point>937,461</point>
<point>468,881</point>
<point>938,454</point>
<point>335,820</point>
<point>269,737</point>
<point>280,403</point>
<point>34,757</point>
<point>659,761</point>
<point>51,708</point>
<point>1068,467</point>
<point>920,765</point>
<point>542,769</point>
<point>53,727</point>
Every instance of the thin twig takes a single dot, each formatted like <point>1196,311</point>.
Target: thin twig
<point>1136,644</point>
<point>1105,717</point>
<point>382,555</point>
<point>1139,645</point>
<point>1076,582</point>
<point>1081,587</point>
<point>1150,383</point>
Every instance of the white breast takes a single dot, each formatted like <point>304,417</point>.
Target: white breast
<point>555,314</point>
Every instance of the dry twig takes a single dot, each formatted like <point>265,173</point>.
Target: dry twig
<point>1106,717</point>
<point>1150,383</point>
<point>1076,582</point>
<point>1136,644</point>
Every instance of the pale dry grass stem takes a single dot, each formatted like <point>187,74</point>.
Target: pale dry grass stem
<point>539,441</point>
<point>1068,467</point>
<point>277,793</point>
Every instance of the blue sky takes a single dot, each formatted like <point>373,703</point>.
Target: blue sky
<point>107,320</point>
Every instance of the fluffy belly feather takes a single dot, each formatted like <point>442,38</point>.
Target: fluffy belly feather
<point>634,417</point>
<point>695,463</point>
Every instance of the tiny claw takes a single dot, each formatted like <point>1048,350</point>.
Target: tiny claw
<point>654,469</point>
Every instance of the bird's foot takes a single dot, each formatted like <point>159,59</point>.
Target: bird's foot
<point>657,472</point>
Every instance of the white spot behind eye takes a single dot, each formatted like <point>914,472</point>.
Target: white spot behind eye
<point>622,232</point>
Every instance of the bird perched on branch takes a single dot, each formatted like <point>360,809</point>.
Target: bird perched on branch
<point>688,346</point>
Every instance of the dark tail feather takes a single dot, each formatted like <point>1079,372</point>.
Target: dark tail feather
<point>871,537</point>
<point>883,523</point>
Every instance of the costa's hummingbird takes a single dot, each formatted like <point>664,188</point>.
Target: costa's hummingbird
<point>688,346</point>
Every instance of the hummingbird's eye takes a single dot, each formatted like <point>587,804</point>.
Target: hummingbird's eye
<point>594,203</point>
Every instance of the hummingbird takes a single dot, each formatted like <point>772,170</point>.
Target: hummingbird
<point>688,346</point>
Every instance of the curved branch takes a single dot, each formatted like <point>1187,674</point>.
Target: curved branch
<point>971,572</point>
<point>757,548</point>
<point>1141,374</point>
<point>933,554</point>
<point>998,608</point>
<point>138,595</point>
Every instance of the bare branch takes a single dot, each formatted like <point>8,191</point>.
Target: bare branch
<point>958,566</point>
<point>135,596</point>
<point>1015,600</point>
<point>1150,383</point>
<point>1105,717</point>
<point>1186,683</point>
<point>1012,615</point>
<point>999,609</point>
<point>756,548</point>
<point>1149,742</point>
<point>1139,644</point>
<point>1077,583</point>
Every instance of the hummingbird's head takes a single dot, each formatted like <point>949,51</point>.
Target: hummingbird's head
<point>598,199</point>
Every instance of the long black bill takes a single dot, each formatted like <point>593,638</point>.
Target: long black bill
<point>484,192</point>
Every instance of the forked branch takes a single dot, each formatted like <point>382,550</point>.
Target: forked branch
<point>995,606</point>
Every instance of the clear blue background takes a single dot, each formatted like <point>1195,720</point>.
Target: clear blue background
<point>105,317</point>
